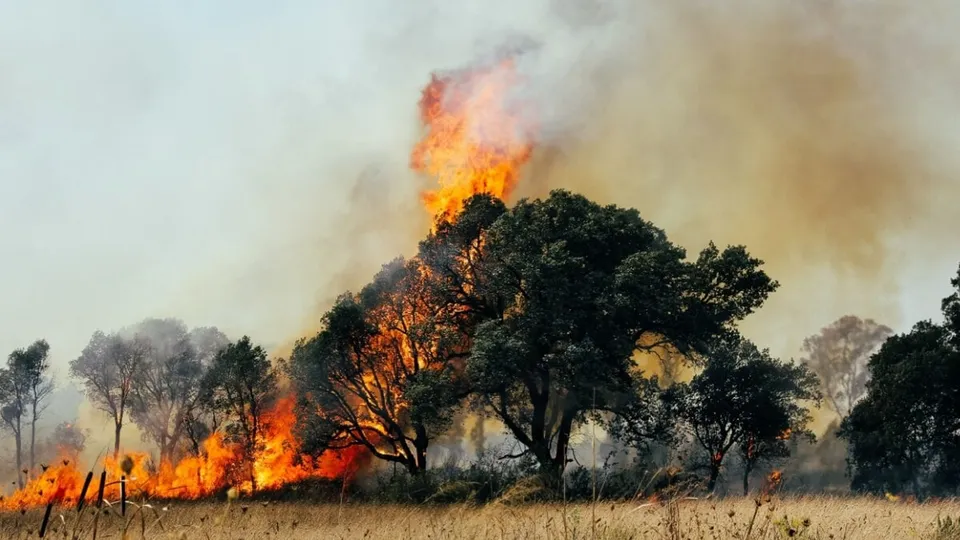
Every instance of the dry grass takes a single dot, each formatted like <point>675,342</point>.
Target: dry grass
<point>814,517</point>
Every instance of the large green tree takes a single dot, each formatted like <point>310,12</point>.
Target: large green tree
<point>556,295</point>
<point>240,384</point>
<point>744,400</point>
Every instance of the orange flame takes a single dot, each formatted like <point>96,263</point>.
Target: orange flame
<point>278,462</point>
<point>476,140</point>
<point>775,478</point>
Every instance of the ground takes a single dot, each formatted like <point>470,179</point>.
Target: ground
<point>814,517</point>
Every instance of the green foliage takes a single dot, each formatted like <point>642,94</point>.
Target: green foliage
<point>240,384</point>
<point>905,434</point>
<point>25,385</point>
<point>744,398</point>
<point>577,285</point>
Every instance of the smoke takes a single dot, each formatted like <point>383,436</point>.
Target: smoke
<point>239,166</point>
<point>813,132</point>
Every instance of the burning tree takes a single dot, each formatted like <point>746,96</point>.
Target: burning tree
<point>839,356</point>
<point>201,421</point>
<point>743,399</point>
<point>241,384</point>
<point>381,373</point>
<point>107,367</point>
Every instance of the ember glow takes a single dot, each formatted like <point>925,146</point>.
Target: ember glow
<point>220,466</point>
<point>478,136</point>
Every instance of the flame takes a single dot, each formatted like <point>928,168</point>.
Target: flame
<point>476,139</point>
<point>774,478</point>
<point>277,462</point>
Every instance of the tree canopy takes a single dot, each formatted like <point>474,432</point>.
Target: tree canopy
<point>744,400</point>
<point>241,384</point>
<point>904,436</point>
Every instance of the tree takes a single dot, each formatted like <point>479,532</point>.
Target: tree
<point>839,356</point>
<point>904,436</point>
<point>743,398</point>
<point>241,384</point>
<point>201,421</point>
<point>27,385</point>
<point>383,371</point>
<point>108,367</point>
<point>14,396</point>
<point>67,441</point>
<point>564,294</point>
<point>166,388</point>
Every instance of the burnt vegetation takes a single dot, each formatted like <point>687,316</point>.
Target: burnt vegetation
<point>540,318</point>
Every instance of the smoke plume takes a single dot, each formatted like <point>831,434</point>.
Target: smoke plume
<point>239,166</point>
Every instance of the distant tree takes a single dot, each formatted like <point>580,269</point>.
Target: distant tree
<point>27,384</point>
<point>166,388</point>
<point>382,372</point>
<point>14,395</point>
<point>743,399</point>
<point>241,384</point>
<point>839,356</point>
<point>108,367</point>
<point>67,441</point>
<point>558,298</point>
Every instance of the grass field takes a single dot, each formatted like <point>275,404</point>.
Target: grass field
<point>814,517</point>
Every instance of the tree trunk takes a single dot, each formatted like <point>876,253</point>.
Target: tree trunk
<point>18,439</point>
<point>420,444</point>
<point>714,474</point>
<point>563,443</point>
<point>33,436</point>
<point>116,439</point>
<point>746,480</point>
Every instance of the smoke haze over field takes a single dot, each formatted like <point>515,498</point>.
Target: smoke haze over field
<point>239,165</point>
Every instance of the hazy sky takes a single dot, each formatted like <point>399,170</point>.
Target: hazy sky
<point>239,163</point>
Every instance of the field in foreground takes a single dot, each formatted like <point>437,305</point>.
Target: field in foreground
<point>814,517</point>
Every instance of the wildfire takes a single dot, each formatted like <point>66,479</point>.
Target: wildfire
<point>477,140</point>
<point>277,463</point>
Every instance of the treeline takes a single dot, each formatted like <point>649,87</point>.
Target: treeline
<point>177,385</point>
<point>541,317</point>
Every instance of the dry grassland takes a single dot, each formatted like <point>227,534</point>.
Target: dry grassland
<point>814,517</point>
